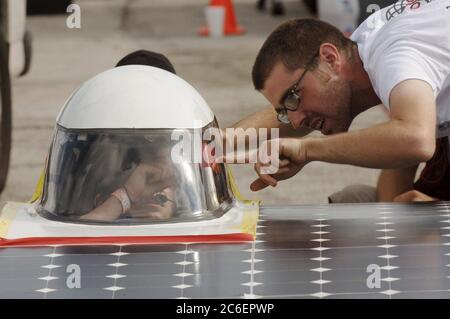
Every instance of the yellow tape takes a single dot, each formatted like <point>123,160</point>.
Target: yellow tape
<point>7,216</point>
<point>250,219</point>
<point>39,188</point>
<point>251,208</point>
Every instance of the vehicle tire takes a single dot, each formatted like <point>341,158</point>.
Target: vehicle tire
<point>5,113</point>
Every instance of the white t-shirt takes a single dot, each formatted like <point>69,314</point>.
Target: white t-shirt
<point>409,40</point>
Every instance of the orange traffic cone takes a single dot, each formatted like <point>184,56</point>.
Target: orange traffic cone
<point>230,26</point>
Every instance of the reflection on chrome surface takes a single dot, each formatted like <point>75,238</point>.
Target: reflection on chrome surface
<point>128,177</point>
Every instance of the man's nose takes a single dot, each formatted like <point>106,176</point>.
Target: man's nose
<point>297,118</point>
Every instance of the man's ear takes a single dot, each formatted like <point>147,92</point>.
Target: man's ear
<point>329,55</point>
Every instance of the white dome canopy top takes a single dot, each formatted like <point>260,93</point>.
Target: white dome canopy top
<point>135,97</point>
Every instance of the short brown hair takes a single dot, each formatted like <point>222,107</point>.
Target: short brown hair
<point>295,42</point>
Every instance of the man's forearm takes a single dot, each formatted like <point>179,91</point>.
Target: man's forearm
<point>389,145</point>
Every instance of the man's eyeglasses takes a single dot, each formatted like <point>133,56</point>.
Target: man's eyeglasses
<point>291,98</point>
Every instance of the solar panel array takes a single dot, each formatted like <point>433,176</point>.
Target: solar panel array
<point>305,251</point>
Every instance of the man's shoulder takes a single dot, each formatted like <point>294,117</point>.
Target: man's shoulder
<point>403,18</point>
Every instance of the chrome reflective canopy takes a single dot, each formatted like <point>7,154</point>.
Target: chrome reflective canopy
<point>111,158</point>
<point>86,167</point>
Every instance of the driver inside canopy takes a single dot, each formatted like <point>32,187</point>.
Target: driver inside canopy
<point>128,176</point>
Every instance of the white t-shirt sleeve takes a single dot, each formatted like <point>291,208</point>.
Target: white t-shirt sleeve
<point>397,65</point>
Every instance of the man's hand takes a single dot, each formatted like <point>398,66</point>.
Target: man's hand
<point>291,156</point>
<point>414,196</point>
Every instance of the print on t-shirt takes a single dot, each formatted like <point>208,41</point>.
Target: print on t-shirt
<point>400,7</point>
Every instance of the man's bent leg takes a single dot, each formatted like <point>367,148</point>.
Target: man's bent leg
<point>358,193</point>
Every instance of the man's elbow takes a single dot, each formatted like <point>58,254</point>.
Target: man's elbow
<point>422,147</point>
